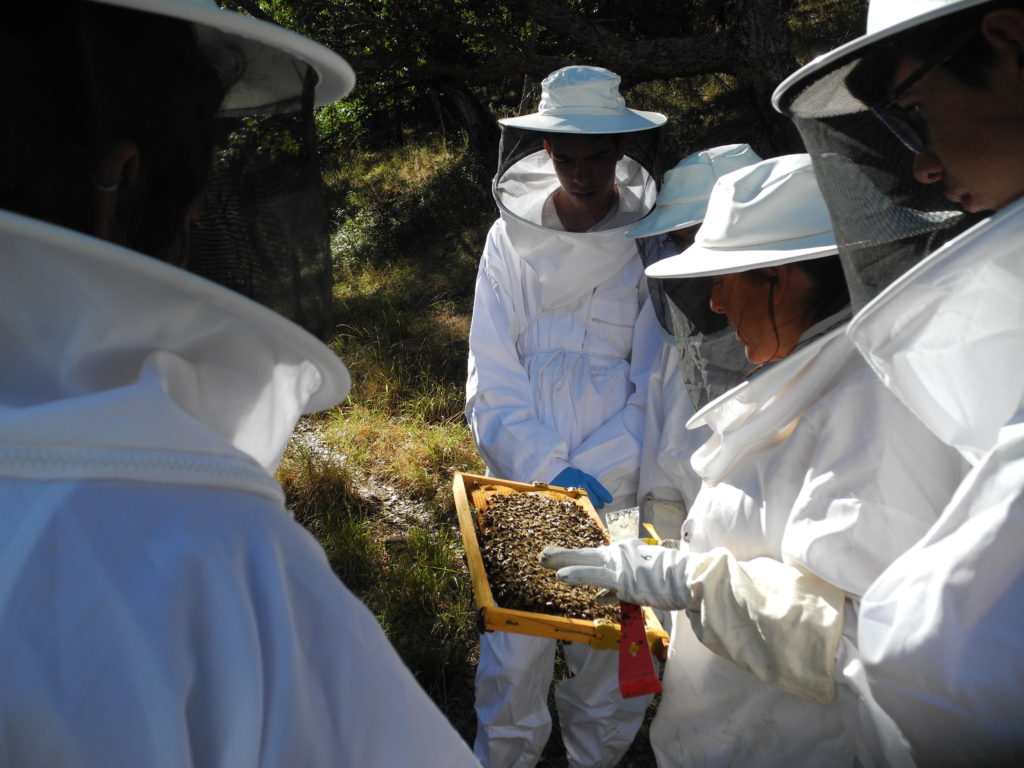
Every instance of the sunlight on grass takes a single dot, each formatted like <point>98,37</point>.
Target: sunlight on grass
<point>416,456</point>
<point>316,486</point>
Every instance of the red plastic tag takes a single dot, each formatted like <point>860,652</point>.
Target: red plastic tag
<point>636,666</point>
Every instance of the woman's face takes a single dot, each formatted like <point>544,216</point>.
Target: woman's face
<point>767,307</point>
<point>747,305</point>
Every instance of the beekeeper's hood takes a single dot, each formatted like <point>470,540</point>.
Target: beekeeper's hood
<point>262,228</point>
<point>577,100</point>
<point>682,203</point>
<point>265,65</point>
<point>765,214</point>
<point>683,199</point>
<point>885,221</point>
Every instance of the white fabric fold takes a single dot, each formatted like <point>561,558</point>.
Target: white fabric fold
<point>121,340</point>
<point>159,604</point>
<point>941,631</point>
<point>772,619</point>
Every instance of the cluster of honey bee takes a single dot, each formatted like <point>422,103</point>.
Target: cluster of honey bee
<point>514,528</point>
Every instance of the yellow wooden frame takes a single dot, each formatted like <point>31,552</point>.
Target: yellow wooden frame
<point>471,493</point>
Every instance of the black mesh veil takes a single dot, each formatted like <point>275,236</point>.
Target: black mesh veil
<point>524,170</point>
<point>885,220</point>
<point>654,248</point>
<point>262,228</point>
<point>713,360</point>
<point>85,78</point>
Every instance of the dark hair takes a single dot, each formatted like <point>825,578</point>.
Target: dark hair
<point>84,75</point>
<point>870,78</point>
<point>829,292</point>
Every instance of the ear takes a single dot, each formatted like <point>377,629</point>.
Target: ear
<point>547,147</point>
<point>1004,31</point>
<point>116,171</point>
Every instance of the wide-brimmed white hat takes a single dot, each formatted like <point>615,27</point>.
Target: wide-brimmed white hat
<point>271,54</point>
<point>581,99</point>
<point>763,215</point>
<point>886,18</point>
<point>683,199</point>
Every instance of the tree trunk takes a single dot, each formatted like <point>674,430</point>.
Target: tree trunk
<point>762,33</point>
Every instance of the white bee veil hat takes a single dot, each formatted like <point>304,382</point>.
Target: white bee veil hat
<point>885,19</point>
<point>270,60</point>
<point>763,215</point>
<point>584,99</point>
<point>885,221</point>
<point>683,199</point>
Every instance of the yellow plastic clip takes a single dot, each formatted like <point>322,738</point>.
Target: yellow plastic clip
<point>654,538</point>
<point>607,636</point>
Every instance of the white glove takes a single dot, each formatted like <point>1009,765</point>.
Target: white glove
<point>644,574</point>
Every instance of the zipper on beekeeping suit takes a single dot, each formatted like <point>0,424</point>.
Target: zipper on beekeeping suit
<point>74,463</point>
<point>589,318</point>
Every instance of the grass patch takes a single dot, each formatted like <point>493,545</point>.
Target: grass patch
<point>416,456</point>
<point>317,487</point>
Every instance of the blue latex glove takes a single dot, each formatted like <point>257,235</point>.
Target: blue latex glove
<point>570,477</point>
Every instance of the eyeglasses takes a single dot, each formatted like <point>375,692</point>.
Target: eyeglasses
<point>907,125</point>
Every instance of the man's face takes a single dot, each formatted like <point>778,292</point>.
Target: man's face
<point>974,137</point>
<point>585,166</point>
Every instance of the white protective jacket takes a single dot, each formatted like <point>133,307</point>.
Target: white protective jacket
<point>558,368</point>
<point>558,365</point>
<point>667,484</point>
<point>814,474</point>
<point>942,629</point>
<point>158,604</point>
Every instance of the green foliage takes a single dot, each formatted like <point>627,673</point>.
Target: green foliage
<point>819,25</point>
<point>416,200</point>
<point>427,595</point>
<point>416,455</point>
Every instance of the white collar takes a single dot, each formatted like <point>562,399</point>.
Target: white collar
<point>763,410</point>
<point>946,337</point>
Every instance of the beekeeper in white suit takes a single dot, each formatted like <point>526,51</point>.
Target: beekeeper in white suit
<point>667,482</point>
<point>812,486</point>
<point>557,369</point>
<point>936,90</point>
<point>159,606</point>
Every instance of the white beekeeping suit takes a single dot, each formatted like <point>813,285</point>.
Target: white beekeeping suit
<point>558,385</point>
<point>940,629</point>
<point>159,604</point>
<point>806,477</point>
<point>941,632</point>
<point>559,356</point>
<point>667,482</point>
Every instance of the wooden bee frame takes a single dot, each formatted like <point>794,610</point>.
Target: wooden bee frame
<point>471,494</point>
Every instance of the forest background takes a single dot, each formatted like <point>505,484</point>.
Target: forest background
<point>407,161</point>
